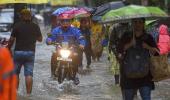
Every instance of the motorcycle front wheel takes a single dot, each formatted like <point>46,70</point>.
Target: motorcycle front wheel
<point>62,72</point>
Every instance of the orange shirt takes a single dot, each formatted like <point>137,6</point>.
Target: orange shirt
<point>7,76</point>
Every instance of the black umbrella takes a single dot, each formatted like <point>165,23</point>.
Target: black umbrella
<point>101,10</point>
<point>89,9</point>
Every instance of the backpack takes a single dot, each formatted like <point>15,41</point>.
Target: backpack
<point>136,61</point>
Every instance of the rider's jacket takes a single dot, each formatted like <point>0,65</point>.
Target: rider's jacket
<point>72,35</point>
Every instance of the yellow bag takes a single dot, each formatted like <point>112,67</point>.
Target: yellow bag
<point>160,68</point>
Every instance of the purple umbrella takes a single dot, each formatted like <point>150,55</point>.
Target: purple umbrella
<point>61,10</point>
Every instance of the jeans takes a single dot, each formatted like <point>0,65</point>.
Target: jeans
<point>145,92</point>
<point>26,59</point>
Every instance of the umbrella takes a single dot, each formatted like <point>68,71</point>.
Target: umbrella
<point>89,9</point>
<point>61,10</point>
<point>62,2</point>
<point>133,11</point>
<point>23,1</point>
<point>148,22</point>
<point>78,12</point>
<point>81,13</point>
<point>101,10</point>
<point>158,22</point>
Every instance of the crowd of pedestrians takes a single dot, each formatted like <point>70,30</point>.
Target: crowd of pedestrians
<point>122,39</point>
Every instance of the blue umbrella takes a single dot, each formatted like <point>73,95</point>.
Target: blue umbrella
<point>61,10</point>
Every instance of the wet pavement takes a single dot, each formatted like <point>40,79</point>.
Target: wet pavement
<point>98,84</point>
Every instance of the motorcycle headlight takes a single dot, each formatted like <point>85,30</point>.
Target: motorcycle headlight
<point>65,53</point>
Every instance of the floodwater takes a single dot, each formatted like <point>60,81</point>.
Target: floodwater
<point>98,84</point>
<point>94,85</point>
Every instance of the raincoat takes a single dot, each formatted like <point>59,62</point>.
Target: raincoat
<point>114,64</point>
<point>163,40</point>
<point>72,33</point>
<point>96,38</point>
<point>7,76</point>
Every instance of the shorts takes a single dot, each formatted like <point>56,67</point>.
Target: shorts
<point>25,59</point>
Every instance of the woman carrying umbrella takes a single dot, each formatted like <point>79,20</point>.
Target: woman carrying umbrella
<point>143,84</point>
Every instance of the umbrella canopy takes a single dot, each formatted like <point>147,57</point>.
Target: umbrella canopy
<point>23,1</point>
<point>101,10</point>
<point>148,22</point>
<point>133,11</point>
<point>158,22</point>
<point>61,10</point>
<point>63,2</point>
<point>78,12</point>
<point>89,9</point>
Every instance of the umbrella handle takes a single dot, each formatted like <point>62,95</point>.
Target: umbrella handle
<point>134,40</point>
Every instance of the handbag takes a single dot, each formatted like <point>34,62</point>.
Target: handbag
<point>160,69</point>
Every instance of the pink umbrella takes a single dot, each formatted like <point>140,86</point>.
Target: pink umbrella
<point>78,12</point>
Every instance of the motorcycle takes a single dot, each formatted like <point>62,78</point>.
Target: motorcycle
<point>65,54</point>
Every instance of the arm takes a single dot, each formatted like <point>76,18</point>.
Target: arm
<point>39,35</point>
<point>150,44</point>
<point>11,42</point>
<point>80,37</point>
<point>126,41</point>
<point>153,50</point>
<point>39,39</point>
<point>128,45</point>
<point>52,37</point>
<point>12,37</point>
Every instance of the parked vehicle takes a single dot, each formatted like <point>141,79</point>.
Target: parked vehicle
<point>6,22</point>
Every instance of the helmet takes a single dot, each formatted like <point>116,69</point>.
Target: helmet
<point>65,19</point>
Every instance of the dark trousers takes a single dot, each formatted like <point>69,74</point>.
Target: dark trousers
<point>116,79</point>
<point>88,54</point>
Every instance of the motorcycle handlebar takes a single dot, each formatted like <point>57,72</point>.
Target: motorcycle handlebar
<point>60,46</point>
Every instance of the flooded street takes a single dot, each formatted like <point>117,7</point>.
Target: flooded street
<point>128,32</point>
<point>93,86</point>
<point>96,85</point>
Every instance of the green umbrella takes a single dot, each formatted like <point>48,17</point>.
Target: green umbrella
<point>148,22</point>
<point>133,11</point>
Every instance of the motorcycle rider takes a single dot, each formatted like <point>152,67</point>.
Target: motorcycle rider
<point>68,33</point>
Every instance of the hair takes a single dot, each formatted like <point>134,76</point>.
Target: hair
<point>143,20</point>
<point>25,11</point>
